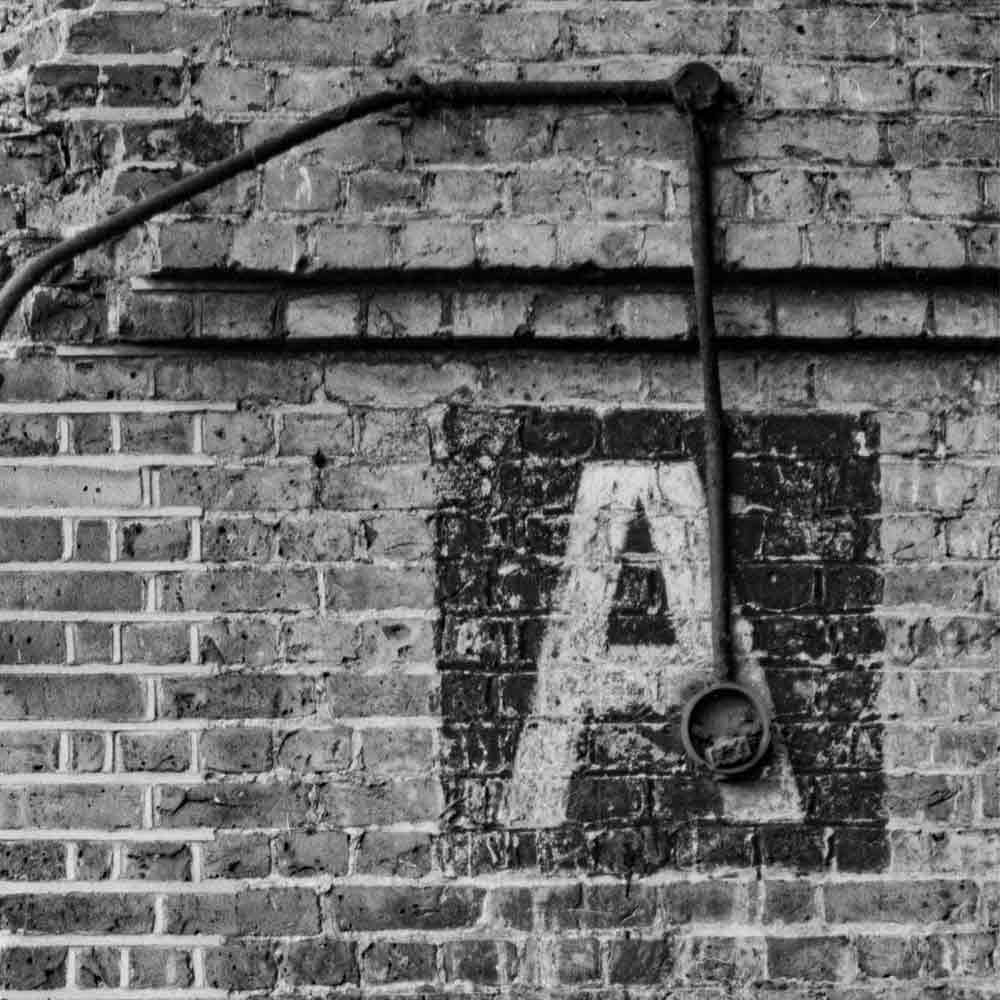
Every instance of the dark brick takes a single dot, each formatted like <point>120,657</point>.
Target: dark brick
<point>577,960</point>
<point>559,433</point>
<point>232,805</point>
<point>241,965</point>
<point>152,968</point>
<point>32,642</point>
<point>637,961</point>
<point>406,855</point>
<point>141,86</point>
<point>789,902</point>
<point>851,588</point>
<point>251,912</point>
<point>479,962</point>
<point>309,853</point>
<point>901,902</point>
<point>98,968</point>
<point>810,958</point>
<point>399,961</point>
<point>77,913</point>
<point>163,862</point>
<point>378,908</point>
<point>236,696</point>
<point>32,861</point>
<point>777,587</point>
<point>109,697</point>
<point>30,539</point>
<point>154,751</point>
<point>645,435</point>
<point>108,807</point>
<point>236,856</point>
<point>861,849</point>
<point>900,958</point>
<point>800,848</point>
<point>93,862</point>
<point>32,968</point>
<point>236,750</point>
<point>319,962</point>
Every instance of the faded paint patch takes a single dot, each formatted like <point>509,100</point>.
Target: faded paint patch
<point>582,675</point>
<point>573,597</point>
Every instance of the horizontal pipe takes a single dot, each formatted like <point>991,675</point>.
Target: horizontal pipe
<point>418,94</point>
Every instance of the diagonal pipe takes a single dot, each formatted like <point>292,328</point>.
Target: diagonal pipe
<point>419,95</point>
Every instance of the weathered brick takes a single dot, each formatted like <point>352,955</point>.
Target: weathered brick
<point>329,434</point>
<point>236,750</point>
<point>241,965</point>
<point>237,641</point>
<point>407,855</point>
<point>154,751</point>
<point>70,487</point>
<point>110,697</point>
<point>900,902</point>
<point>315,750</point>
<point>376,644</point>
<point>158,433</point>
<point>396,751</point>
<point>112,913</point>
<point>256,912</point>
<point>318,537</point>
<point>143,31</point>
<point>91,541</point>
<point>101,807</point>
<point>163,862</point>
<point>809,958</point>
<point>232,806</point>
<point>380,908</point>
<point>156,643</point>
<point>87,752</point>
<point>237,435</point>
<point>33,968</point>
<point>32,642</point>
<point>339,41</point>
<point>238,489</point>
<point>160,968</point>
<point>358,487</point>
<point>319,962</point>
<point>399,961</point>
<point>32,861</point>
<point>241,380</point>
<point>385,694</point>
<point>307,854</point>
<point>363,586</point>
<point>236,695</point>
<point>93,862</point>
<point>228,590</point>
<point>72,591</point>
<point>155,541</point>
<point>236,856</point>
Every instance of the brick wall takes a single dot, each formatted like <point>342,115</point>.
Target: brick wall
<point>352,528</point>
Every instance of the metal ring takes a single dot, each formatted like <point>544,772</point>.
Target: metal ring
<point>755,704</point>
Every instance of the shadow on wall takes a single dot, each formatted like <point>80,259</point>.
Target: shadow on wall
<point>573,590</point>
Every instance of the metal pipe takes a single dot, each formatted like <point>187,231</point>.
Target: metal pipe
<point>697,91</point>
<point>419,94</point>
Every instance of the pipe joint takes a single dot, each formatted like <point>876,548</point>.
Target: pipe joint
<point>697,88</point>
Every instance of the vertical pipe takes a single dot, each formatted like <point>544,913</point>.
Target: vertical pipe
<point>699,182</point>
